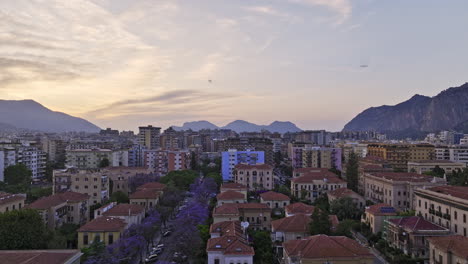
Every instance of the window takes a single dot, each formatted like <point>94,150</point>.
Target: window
<point>19,206</point>
<point>455,215</point>
<point>86,179</point>
<point>85,239</point>
<point>13,208</point>
<point>86,186</point>
<point>97,238</point>
<point>419,202</point>
<point>425,205</point>
<point>111,238</point>
<point>464,218</point>
<point>95,179</point>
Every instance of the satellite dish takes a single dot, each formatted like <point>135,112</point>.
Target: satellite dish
<point>245,225</point>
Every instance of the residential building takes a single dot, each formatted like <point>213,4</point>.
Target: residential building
<point>226,228</point>
<point>295,227</point>
<point>92,158</point>
<point>61,208</point>
<point>312,184</point>
<point>130,213</point>
<point>275,200</point>
<point>397,188</point>
<point>232,157</point>
<point>229,249</point>
<point>370,164</point>
<point>178,160</point>
<point>410,235</point>
<point>55,149</point>
<point>299,208</point>
<point>326,249</point>
<point>105,229</point>
<point>255,177</point>
<point>423,166</point>
<point>249,144</point>
<point>455,153</point>
<point>148,137</point>
<point>359,149</point>
<point>119,176</point>
<point>231,197</point>
<point>43,256</point>
<point>232,186</point>
<point>398,155</point>
<point>34,159</point>
<point>147,195</point>
<point>257,214</point>
<point>10,202</point>
<point>337,194</point>
<point>316,157</point>
<point>448,250</point>
<point>136,156</point>
<point>444,205</point>
<point>376,215</point>
<point>169,139</point>
<point>315,137</point>
<point>94,183</point>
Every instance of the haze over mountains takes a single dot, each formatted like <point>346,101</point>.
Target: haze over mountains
<point>420,114</point>
<point>241,126</point>
<point>28,114</point>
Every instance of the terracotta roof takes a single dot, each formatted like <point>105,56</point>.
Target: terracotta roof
<point>381,209</point>
<point>6,198</point>
<point>415,224</point>
<point>53,256</point>
<point>230,195</point>
<point>295,223</point>
<point>456,244</point>
<point>342,192</point>
<point>233,208</point>
<point>233,185</point>
<point>104,224</point>
<point>435,161</point>
<point>152,185</point>
<point>404,176</point>
<point>57,199</point>
<point>455,191</point>
<point>253,206</point>
<point>375,168</point>
<point>260,166</point>
<point>309,178</point>
<point>230,245</point>
<point>145,194</point>
<point>326,247</point>
<point>227,228</point>
<point>299,208</point>
<point>124,210</point>
<point>274,196</point>
<point>313,170</point>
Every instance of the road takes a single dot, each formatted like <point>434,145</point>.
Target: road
<point>363,241</point>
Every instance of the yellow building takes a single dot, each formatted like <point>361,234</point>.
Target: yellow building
<point>10,202</point>
<point>398,155</point>
<point>105,229</point>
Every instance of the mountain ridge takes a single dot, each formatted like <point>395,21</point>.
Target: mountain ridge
<point>241,126</point>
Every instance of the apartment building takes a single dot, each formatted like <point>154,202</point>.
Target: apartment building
<point>429,165</point>
<point>397,188</point>
<point>147,195</point>
<point>455,153</point>
<point>10,202</point>
<point>55,149</point>
<point>91,158</point>
<point>316,157</point>
<point>178,160</point>
<point>275,200</point>
<point>104,229</point>
<point>313,184</point>
<point>370,164</point>
<point>448,250</point>
<point>148,137</point>
<point>257,214</point>
<point>398,155</point>
<point>410,235</point>
<point>264,145</point>
<point>360,149</point>
<point>61,208</point>
<point>326,249</point>
<point>119,177</point>
<point>33,158</point>
<point>444,205</point>
<point>341,193</point>
<point>255,177</point>
<point>228,244</point>
<point>94,183</point>
<point>232,157</point>
<point>230,197</point>
<point>375,216</point>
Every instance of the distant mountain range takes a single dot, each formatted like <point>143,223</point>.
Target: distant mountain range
<point>419,115</point>
<point>241,126</point>
<point>30,115</point>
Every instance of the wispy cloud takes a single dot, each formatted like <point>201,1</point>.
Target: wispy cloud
<point>343,8</point>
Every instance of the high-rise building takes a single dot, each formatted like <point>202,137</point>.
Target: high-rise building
<point>148,136</point>
<point>232,157</point>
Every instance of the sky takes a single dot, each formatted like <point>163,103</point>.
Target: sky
<point>125,63</point>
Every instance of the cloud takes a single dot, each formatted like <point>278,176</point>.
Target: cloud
<point>343,8</point>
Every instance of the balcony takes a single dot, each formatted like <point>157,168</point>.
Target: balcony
<point>446,216</point>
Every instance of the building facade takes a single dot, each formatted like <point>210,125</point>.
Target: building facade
<point>232,157</point>
<point>255,177</point>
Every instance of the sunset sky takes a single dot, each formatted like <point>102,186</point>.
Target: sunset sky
<point>124,63</point>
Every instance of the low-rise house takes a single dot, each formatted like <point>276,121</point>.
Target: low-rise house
<point>60,208</point>
<point>375,216</point>
<point>410,235</point>
<point>326,249</point>
<point>105,229</point>
<point>311,184</point>
<point>299,208</point>
<point>231,197</point>
<point>232,186</point>
<point>229,249</point>
<point>226,228</point>
<point>448,250</point>
<point>274,199</point>
<point>444,205</point>
<point>147,194</point>
<point>255,177</point>
<point>9,202</point>
<point>130,213</point>
<point>257,214</point>
<point>50,256</point>
<point>347,193</point>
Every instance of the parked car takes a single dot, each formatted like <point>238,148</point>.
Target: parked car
<point>151,258</point>
<point>167,233</point>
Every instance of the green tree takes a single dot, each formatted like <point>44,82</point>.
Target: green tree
<point>18,174</point>
<point>345,208</point>
<point>119,197</point>
<point>34,193</point>
<point>23,229</point>
<point>322,202</point>
<point>263,247</point>
<point>193,161</point>
<point>104,163</point>
<point>96,248</point>
<point>459,178</point>
<point>352,172</point>
<point>320,223</point>
<point>345,227</point>
<point>180,179</point>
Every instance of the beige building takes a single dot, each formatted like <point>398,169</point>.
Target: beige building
<point>10,202</point>
<point>337,194</point>
<point>91,158</point>
<point>446,206</point>
<point>428,165</point>
<point>257,214</point>
<point>398,155</point>
<point>148,137</point>
<point>147,195</point>
<point>294,227</point>
<point>119,177</point>
<point>321,249</point>
<point>410,235</point>
<point>275,200</point>
<point>376,215</point>
<point>231,197</point>
<point>61,208</point>
<point>255,177</point>
<point>448,250</point>
<point>105,229</point>
<point>397,188</point>
<point>94,183</point>
<point>312,184</point>
<point>130,213</point>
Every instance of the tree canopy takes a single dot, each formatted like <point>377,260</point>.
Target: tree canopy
<point>345,208</point>
<point>104,163</point>
<point>352,171</point>
<point>320,223</point>
<point>23,229</point>
<point>18,174</point>
<point>119,197</point>
<point>180,179</point>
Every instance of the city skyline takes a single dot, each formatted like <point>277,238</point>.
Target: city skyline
<point>315,63</point>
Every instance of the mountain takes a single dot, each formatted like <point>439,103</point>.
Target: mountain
<point>241,126</point>
<point>28,114</point>
<point>420,114</point>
